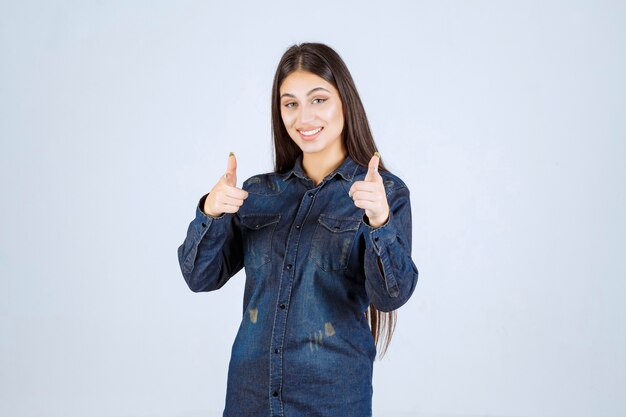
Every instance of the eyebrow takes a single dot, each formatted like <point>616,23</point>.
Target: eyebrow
<point>308,94</point>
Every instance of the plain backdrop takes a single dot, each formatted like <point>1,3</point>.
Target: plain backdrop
<point>505,118</point>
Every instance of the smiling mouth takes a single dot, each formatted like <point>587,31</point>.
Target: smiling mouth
<point>310,132</point>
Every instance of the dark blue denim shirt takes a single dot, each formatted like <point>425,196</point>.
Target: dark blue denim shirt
<point>304,346</point>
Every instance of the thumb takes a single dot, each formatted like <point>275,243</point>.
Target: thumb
<point>231,170</point>
<point>372,168</point>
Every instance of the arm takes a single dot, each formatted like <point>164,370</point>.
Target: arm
<point>212,251</point>
<point>390,274</point>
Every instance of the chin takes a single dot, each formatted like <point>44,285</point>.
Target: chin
<point>308,147</point>
<point>312,147</point>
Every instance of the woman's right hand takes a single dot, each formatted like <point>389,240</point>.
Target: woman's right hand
<point>225,197</point>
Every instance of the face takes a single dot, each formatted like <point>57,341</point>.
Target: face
<point>312,114</point>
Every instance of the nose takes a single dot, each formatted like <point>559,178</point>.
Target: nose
<point>307,114</point>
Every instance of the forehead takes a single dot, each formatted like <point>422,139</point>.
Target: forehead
<point>301,82</point>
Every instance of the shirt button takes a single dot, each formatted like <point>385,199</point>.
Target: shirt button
<point>289,266</point>
<point>276,350</point>
<point>282,306</point>
<point>297,226</point>
<point>203,224</point>
<point>311,194</point>
<point>275,393</point>
<point>376,239</point>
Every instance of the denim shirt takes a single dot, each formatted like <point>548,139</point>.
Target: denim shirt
<point>312,267</point>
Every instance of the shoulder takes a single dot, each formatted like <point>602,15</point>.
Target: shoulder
<point>393,183</point>
<point>397,192</point>
<point>270,183</point>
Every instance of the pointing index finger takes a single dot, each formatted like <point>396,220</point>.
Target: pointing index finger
<point>231,167</point>
<point>373,165</point>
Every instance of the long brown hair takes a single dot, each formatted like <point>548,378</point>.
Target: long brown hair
<point>324,62</point>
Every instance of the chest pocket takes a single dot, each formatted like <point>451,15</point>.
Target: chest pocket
<point>257,234</point>
<point>332,241</point>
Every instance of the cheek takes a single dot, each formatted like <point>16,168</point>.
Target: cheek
<point>287,119</point>
<point>336,116</point>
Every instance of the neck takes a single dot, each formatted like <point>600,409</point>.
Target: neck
<point>318,165</point>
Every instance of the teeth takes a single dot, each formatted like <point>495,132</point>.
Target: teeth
<point>310,132</point>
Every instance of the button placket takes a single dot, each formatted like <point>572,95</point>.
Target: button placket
<point>284,292</point>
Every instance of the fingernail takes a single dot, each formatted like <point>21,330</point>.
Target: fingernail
<point>377,154</point>
<point>231,154</point>
<point>350,194</point>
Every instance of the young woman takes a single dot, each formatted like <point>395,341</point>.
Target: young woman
<point>325,241</point>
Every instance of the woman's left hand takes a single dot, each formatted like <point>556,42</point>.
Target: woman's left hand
<point>370,195</point>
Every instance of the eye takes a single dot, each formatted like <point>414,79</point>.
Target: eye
<point>290,104</point>
<point>319,100</point>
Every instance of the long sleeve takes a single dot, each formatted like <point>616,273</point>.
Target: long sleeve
<point>212,251</point>
<point>389,247</point>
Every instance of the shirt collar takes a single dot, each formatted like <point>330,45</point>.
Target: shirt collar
<point>346,170</point>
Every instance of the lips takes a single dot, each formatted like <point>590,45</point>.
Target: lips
<point>310,134</point>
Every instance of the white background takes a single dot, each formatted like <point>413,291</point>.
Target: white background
<point>505,119</point>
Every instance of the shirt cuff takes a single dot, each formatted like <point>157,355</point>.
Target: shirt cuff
<point>203,221</point>
<point>384,235</point>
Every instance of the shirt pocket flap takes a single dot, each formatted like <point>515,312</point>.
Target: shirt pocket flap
<point>339,224</point>
<point>259,221</point>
